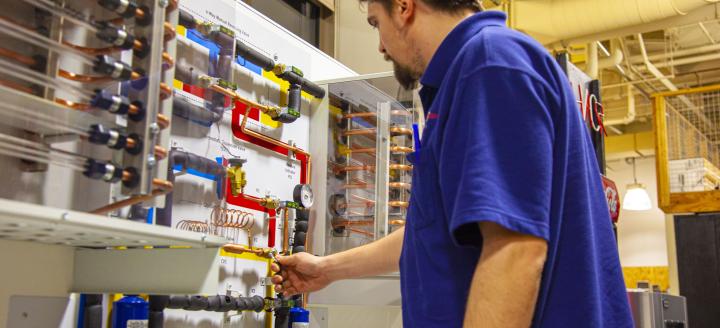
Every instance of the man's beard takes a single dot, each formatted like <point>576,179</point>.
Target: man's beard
<point>405,75</point>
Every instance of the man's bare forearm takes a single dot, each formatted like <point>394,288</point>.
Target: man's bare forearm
<point>378,257</point>
<point>507,279</point>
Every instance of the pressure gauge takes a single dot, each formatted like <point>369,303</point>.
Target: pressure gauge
<point>303,195</point>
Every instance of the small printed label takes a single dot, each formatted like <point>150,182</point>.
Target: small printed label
<point>137,324</point>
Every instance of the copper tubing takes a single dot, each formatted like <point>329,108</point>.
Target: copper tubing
<point>401,167</point>
<point>400,131</point>
<point>286,231</point>
<point>25,60</point>
<point>165,91</point>
<point>162,187</point>
<point>344,223</point>
<point>356,168</point>
<point>72,104</point>
<point>361,150</point>
<point>92,79</point>
<point>397,203</point>
<point>92,51</point>
<point>230,218</point>
<point>399,185</point>
<point>17,87</point>
<point>397,222</point>
<point>163,121</point>
<point>243,127</point>
<point>396,112</point>
<point>160,152</point>
<point>400,149</point>
<point>362,232</point>
<point>359,132</point>
<point>357,186</point>
<point>193,225</point>
<point>364,115</point>
<point>167,59</point>
<point>169,32</point>
<point>240,249</point>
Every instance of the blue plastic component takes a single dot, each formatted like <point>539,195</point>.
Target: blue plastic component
<point>129,308</point>
<point>298,315</point>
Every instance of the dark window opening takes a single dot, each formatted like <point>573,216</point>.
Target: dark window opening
<point>300,17</point>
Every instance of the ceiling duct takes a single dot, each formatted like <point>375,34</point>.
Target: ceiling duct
<point>555,20</point>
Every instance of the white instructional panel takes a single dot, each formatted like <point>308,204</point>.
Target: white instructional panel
<point>269,169</point>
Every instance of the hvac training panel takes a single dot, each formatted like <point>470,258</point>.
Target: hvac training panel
<point>202,132</point>
<point>369,176</point>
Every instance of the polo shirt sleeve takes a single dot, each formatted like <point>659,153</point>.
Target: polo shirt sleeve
<point>496,154</point>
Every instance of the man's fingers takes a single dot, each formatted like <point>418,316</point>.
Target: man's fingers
<point>287,260</point>
<point>276,279</point>
<point>274,267</point>
<point>278,288</point>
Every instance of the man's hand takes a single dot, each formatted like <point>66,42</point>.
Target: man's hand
<point>300,273</point>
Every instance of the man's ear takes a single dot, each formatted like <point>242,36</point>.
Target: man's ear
<point>404,11</point>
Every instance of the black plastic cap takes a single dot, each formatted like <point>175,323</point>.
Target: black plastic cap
<point>298,249</point>
<point>301,226</point>
<point>299,239</point>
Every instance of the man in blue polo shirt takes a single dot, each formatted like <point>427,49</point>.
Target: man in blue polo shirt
<point>508,225</point>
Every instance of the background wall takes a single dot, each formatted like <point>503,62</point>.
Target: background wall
<point>356,43</point>
<point>641,234</point>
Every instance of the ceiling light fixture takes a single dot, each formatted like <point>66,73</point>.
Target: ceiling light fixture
<point>636,196</point>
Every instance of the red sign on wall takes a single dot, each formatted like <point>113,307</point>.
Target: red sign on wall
<point>613,198</point>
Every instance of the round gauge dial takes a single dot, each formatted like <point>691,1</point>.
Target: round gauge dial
<point>303,195</point>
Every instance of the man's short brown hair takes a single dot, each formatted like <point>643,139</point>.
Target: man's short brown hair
<point>449,6</point>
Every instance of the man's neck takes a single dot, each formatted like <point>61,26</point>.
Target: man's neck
<point>432,30</point>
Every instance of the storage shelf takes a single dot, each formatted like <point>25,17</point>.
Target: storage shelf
<point>42,224</point>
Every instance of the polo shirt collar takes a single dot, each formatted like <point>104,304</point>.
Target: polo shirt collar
<point>454,41</point>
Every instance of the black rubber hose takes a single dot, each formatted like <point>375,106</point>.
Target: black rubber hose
<point>312,88</point>
<point>254,56</point>
<point>187,161</point>
<point>93,315</point>
<point>188,111</point>
<point>187,20</point>
<point>197,303</point>
<point>156,316</point>
<point>301,226</point>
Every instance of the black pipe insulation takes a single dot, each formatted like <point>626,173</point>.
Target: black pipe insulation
<point>254,56</point>
<point>187,161</point>
<point>216,303</point>
<point>156,316</point>
<point>248,53</point>
<point>188,111</point>
<point>93,311</point>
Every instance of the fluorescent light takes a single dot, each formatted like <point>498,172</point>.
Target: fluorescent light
<point>636,198</point>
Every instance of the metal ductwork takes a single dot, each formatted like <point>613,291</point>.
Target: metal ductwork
<point>555,20</point>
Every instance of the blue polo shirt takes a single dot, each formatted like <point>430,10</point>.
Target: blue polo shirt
<point>504,142</point>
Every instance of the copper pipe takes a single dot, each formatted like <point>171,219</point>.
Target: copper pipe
<point>359,205</point>
<point>162,187</point>
<point>163,121</point>
<point>362,232</point>
<point>401,167</point>
<point>399,130</point>
<point>83,78</point>
<point>72,104</point>
<point>396,112</point>
<point>160,152</point>
<point>361,150</point>
<point>399,185</point>
<point>168,59</point>
<point>25,60</point>
<point>240,249</point>
<point>397,203</point>
<point>126,175</point>
<point>364,115</point>
<point>359,132</point>
<point>243,127</point>
<point>165,91</point>
<point>400,149</point>
<point>397,222</point>
<point>362,198</point>
<point>172,5</point>
<point>137,45</point>
<point>17,87</point>
<point>92,51</point>
<point>356,168</point>
<point>357,186</point>
<point>286,231</point>
<point>169,32</point>
<point>139,14</point>
<point>343,223</point>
